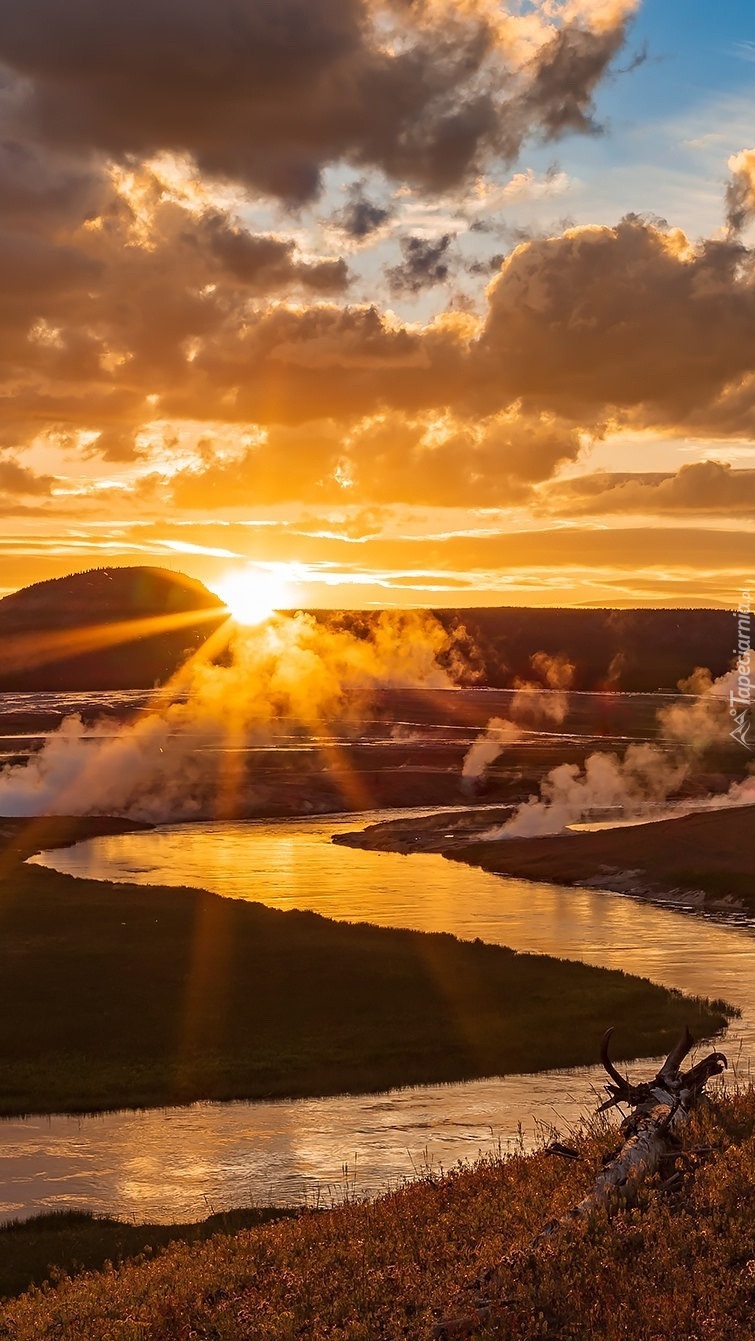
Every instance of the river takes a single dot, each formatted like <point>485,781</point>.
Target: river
<point>182,1163</point>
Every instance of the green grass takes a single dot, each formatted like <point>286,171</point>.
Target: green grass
<point>117,995</point>
<point>47,1247</point>
<point>673,1268</point>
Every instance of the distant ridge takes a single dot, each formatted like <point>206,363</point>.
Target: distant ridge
<point>639,650</point>
<point>148,611</point>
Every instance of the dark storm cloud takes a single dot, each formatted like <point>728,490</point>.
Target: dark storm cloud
<point>264,262</point>
<point>360,217</point>
<point>425,262</point>
<point>271,91</point>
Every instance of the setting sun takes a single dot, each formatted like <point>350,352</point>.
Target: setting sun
<point>253,594</point>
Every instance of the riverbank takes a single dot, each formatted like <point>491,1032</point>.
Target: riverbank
<point>117,995</point>
<point>679,1265</point>
<point>50,1246</point>
<point>703,861</point>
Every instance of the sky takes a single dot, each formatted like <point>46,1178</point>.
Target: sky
<point>381,302</point>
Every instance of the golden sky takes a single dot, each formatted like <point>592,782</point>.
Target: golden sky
<point>386,303</point>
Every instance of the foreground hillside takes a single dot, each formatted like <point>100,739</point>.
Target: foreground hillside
<point>681,1265</point>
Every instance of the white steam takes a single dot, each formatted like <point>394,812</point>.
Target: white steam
<point>644,778</point>
<point>486,748</point>
<point>532,705</point>
<point>187,759</point>
<point>705,720</point>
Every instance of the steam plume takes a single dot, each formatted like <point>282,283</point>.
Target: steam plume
<point>532,705</point>
<point>174,763</point>
<point>646,776</point>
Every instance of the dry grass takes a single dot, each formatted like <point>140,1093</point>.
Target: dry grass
<point>669,1270</point>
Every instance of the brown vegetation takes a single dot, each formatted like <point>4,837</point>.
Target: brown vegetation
<point>674,1267</point>
<point>712,852</point>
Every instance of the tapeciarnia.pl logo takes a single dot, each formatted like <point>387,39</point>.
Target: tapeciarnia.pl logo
<point>740,698</point>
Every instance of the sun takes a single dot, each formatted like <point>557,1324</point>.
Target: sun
<point>253,594</point>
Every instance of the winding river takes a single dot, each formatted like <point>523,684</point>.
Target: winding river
<point>182,1163</point>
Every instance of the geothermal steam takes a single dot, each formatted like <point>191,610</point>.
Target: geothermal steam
<point>178,761</point>
<point>645,777</point>
<point>533,705</point>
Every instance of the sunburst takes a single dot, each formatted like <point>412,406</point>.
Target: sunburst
<point>252,595</point>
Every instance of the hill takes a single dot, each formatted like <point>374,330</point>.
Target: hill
<point>126,628</point>
<point>108,628</point>
<point>633,650</point>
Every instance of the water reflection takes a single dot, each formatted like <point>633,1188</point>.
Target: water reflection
<point>169,1164</point>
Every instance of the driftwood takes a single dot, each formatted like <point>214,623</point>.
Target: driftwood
<point>659,1107</point>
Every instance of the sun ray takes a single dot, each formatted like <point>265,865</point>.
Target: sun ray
<point>40,649</point>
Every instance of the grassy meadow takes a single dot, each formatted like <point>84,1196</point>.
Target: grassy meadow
<point>677,1266</point>
<point>118,996</point>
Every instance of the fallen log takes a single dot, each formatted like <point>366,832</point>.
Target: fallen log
<point>659,1108</point>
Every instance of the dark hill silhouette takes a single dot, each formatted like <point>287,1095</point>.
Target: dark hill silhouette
<point>139,624</point>
<point>638,650</point>
<point>108,628</point>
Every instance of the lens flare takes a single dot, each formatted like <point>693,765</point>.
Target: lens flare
<point>253,594</point>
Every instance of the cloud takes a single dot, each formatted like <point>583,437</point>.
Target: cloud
<point>594,327</point>
<point>603,320</point>
<point>699,487</point>
<point>41,190</point>
<point>16,479</point>
<point>564,75</point>
<point>361,218</point>
<point>143,313</point>
<point>261,262</point>
<point>388,459</point>
<point>425,262</point>
<point>740,191</point>
<point>168,313</point>
<point>272,92</point>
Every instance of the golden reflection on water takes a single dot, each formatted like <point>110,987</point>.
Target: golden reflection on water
<point>293,864</point>
<point>178,1163</point>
